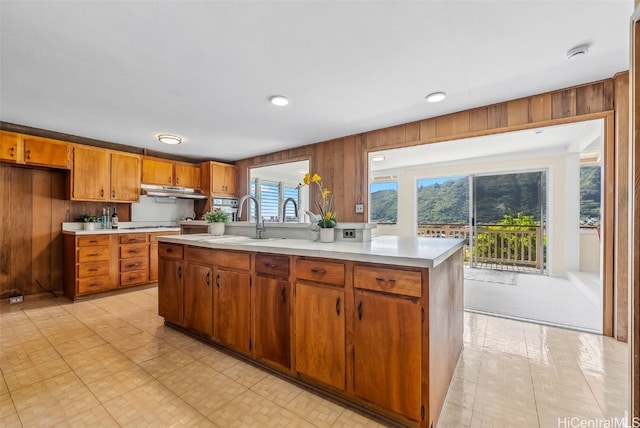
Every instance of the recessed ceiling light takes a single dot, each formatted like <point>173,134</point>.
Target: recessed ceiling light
<point>169,139</point>
<point>279,100</point>
<point>577,52</point>
<point>436,97</point>
<point>378,158</point>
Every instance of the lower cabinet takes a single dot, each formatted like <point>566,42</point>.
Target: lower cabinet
<point>171,288</point>
<point>271,320</point>
<point>198,298</point>
<point>320,333</point>
<point>232,310</point>
<point>90,264</point>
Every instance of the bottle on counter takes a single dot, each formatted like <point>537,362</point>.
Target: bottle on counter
<point>114,219</point>
<point>103,219</point>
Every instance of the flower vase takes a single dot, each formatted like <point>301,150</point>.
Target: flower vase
<point>89,226</point>
<point>327,234</point>
<point>216,229</point>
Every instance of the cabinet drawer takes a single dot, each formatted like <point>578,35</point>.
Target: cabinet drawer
<point>201,255</point>
<point>153,237</point>
<point>97,283</point>
<point>273,265</point>
<point>229,259</point>
<point>133,238</point>
<point>134,263</point>
<point>93,240</point>
<point>170,251</point>
<point>93,269</point>
<point>133,250</point>
<point>408,283</point>
<point>134,277</point>
<point>93,254</point>
<point>321,271</point>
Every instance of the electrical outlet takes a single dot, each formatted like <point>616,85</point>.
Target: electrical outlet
<point>359,208</point>
<point>349,233</point>
<point>16,299</point>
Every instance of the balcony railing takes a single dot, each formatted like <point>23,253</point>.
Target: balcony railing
<point>495,245</point>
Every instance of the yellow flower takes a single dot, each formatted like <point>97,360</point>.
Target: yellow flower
<point>325,192</point>
<point>316,178</point>
<point>328,215</point>
<point>307,178</point>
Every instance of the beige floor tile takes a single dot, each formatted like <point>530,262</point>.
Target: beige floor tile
<point>245,374</point>
<point>91,355</point>
<point>10,421</point>
<point>118,383</point>
<point>218,360</point>
<point>28,369</point>
<point>79,344</point>
<point>188,377</point>
<point>104,367</point>
<point>148,351</point>
<point>277,390</point>
<point>6,405</point>
<point>252,410</point>
<point>166,363</point>
<point>351,419</point>
<point>152,405</point>
<point>315,409</point>
<point>98,417</point>
<point>455,416</point>
<point>3,385</point>
<point>212,394</point>
<point>63,335</point>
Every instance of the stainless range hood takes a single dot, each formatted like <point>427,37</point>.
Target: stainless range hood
<point>171,192</point>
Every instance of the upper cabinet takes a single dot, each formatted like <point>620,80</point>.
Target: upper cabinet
<point>36,151</point>
<point>104,175</point>
<point>165,172</point>
<point>219,179</point>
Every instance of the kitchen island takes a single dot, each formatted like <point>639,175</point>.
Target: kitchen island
<point>378,324</point>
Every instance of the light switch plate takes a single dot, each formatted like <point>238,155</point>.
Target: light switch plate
<point>359,208</point>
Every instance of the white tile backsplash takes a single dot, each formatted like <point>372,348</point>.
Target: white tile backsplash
<point>151,208</point>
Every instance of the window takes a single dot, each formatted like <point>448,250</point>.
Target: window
<point>590,194</point>
<point>271,196</point>
<point>383,197</point>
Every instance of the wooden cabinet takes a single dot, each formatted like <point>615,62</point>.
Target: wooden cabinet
<point>165,172</point>
<point>320,346</point>
<point>171,283</point>
<point>134,259</point>
<point>198,298</point>
<point>36,151</point>
<point>271,309</point>
<point>219,179</point>
<point>90,264</point>
<point>387,343</point>
<point>104,175</point>
<point>153,253</point>
<point>125,177</point>
<point>232,309</point>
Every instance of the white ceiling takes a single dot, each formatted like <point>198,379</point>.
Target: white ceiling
<point>126,71</point>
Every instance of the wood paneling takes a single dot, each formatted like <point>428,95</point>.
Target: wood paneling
<point>634,152</point>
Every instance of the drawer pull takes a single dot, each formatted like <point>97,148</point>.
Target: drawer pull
<point>113,193</point>
<point>28,155</point>
<point>93,284</point>
<point>133,251</point>
<point>132,239</point>
<point>93,255</point>
<point>320,271</point>
<point>338,306</point>
<point>360,310</point>
<point>93,270</point>
<point>93,241</point>
<point>133,264</point>
<point>169,250</point>
<point>101,193</point>
<point>11,150</point>
<point>271,265</point>
<point>391,282</point>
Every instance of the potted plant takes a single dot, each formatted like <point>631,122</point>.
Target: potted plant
<point>327,213</point>
<point>216,219</point>
<point>89,221</point>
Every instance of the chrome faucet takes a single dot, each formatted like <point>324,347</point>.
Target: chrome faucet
<point>284,209</point>
<point>259,228</point>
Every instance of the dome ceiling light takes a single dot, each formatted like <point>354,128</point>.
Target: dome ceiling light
<point>169,139</point>
<point>378,158</point>
<point>577,52</point>
<point>279,100</point>
<point>436,97</point>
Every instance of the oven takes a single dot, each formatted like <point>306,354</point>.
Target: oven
<point>229,205</point>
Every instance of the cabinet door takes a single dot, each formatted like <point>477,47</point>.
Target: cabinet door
<point>188,176</point>
<point>230,180</point>
<point>171,291</point>
<point>223,179</point>
<point>270,309</point>
<point>45,152</point>
<point>156,171</point>
<point>198,298</point>
<point>90,174</point>
<point>153,261</point>
<point>9,146</point>
<point>320,333</point>
<point>231,309</point>
<point>388,353</point>
<point>125,177</point>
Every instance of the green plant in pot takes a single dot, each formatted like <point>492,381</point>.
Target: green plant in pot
<point>327,212</point>
<point>216,219</point>
<point>89,221</point>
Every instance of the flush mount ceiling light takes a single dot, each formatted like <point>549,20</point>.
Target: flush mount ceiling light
<point>436,97</point>
<point>169,139</point>
<point>378,158</point>
<point>577,52</point>
<point>279,100</point>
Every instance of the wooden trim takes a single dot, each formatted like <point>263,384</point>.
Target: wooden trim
<point>634,268</point>
<point>608,229</point>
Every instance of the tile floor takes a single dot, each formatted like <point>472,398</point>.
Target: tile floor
<point>111,362</point>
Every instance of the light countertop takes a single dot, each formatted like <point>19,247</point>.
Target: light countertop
<point>416,252</point>
<point>124,227</point>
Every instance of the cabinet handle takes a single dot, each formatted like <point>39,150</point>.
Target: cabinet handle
<point>177,180</point>
<point>391,282</point>
<point>338,306</point>
<point>271,265</point>
<point>179,271</point>
<point>133,264</point>
<point>360,310</point>
<point>169,179</point>
<point>208,278</point>
<point>93,242</point>
<point>93,284</point>
<point>169,250</point>
<point>93,270</point>
<point>133,251</point>
<point>113,193</point>
<point>102,193</point>
<point>11,150</point>
<point>93,255</point>
<point>28,154</point>
<point>218,280</point>
<point>284,295</point>
<point>320,271</point>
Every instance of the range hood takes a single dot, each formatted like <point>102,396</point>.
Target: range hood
<point>171,192</point>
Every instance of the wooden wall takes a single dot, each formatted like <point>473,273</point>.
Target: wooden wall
<point>342,162</point>
<point>32,210</point>
<point>634,154</point>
